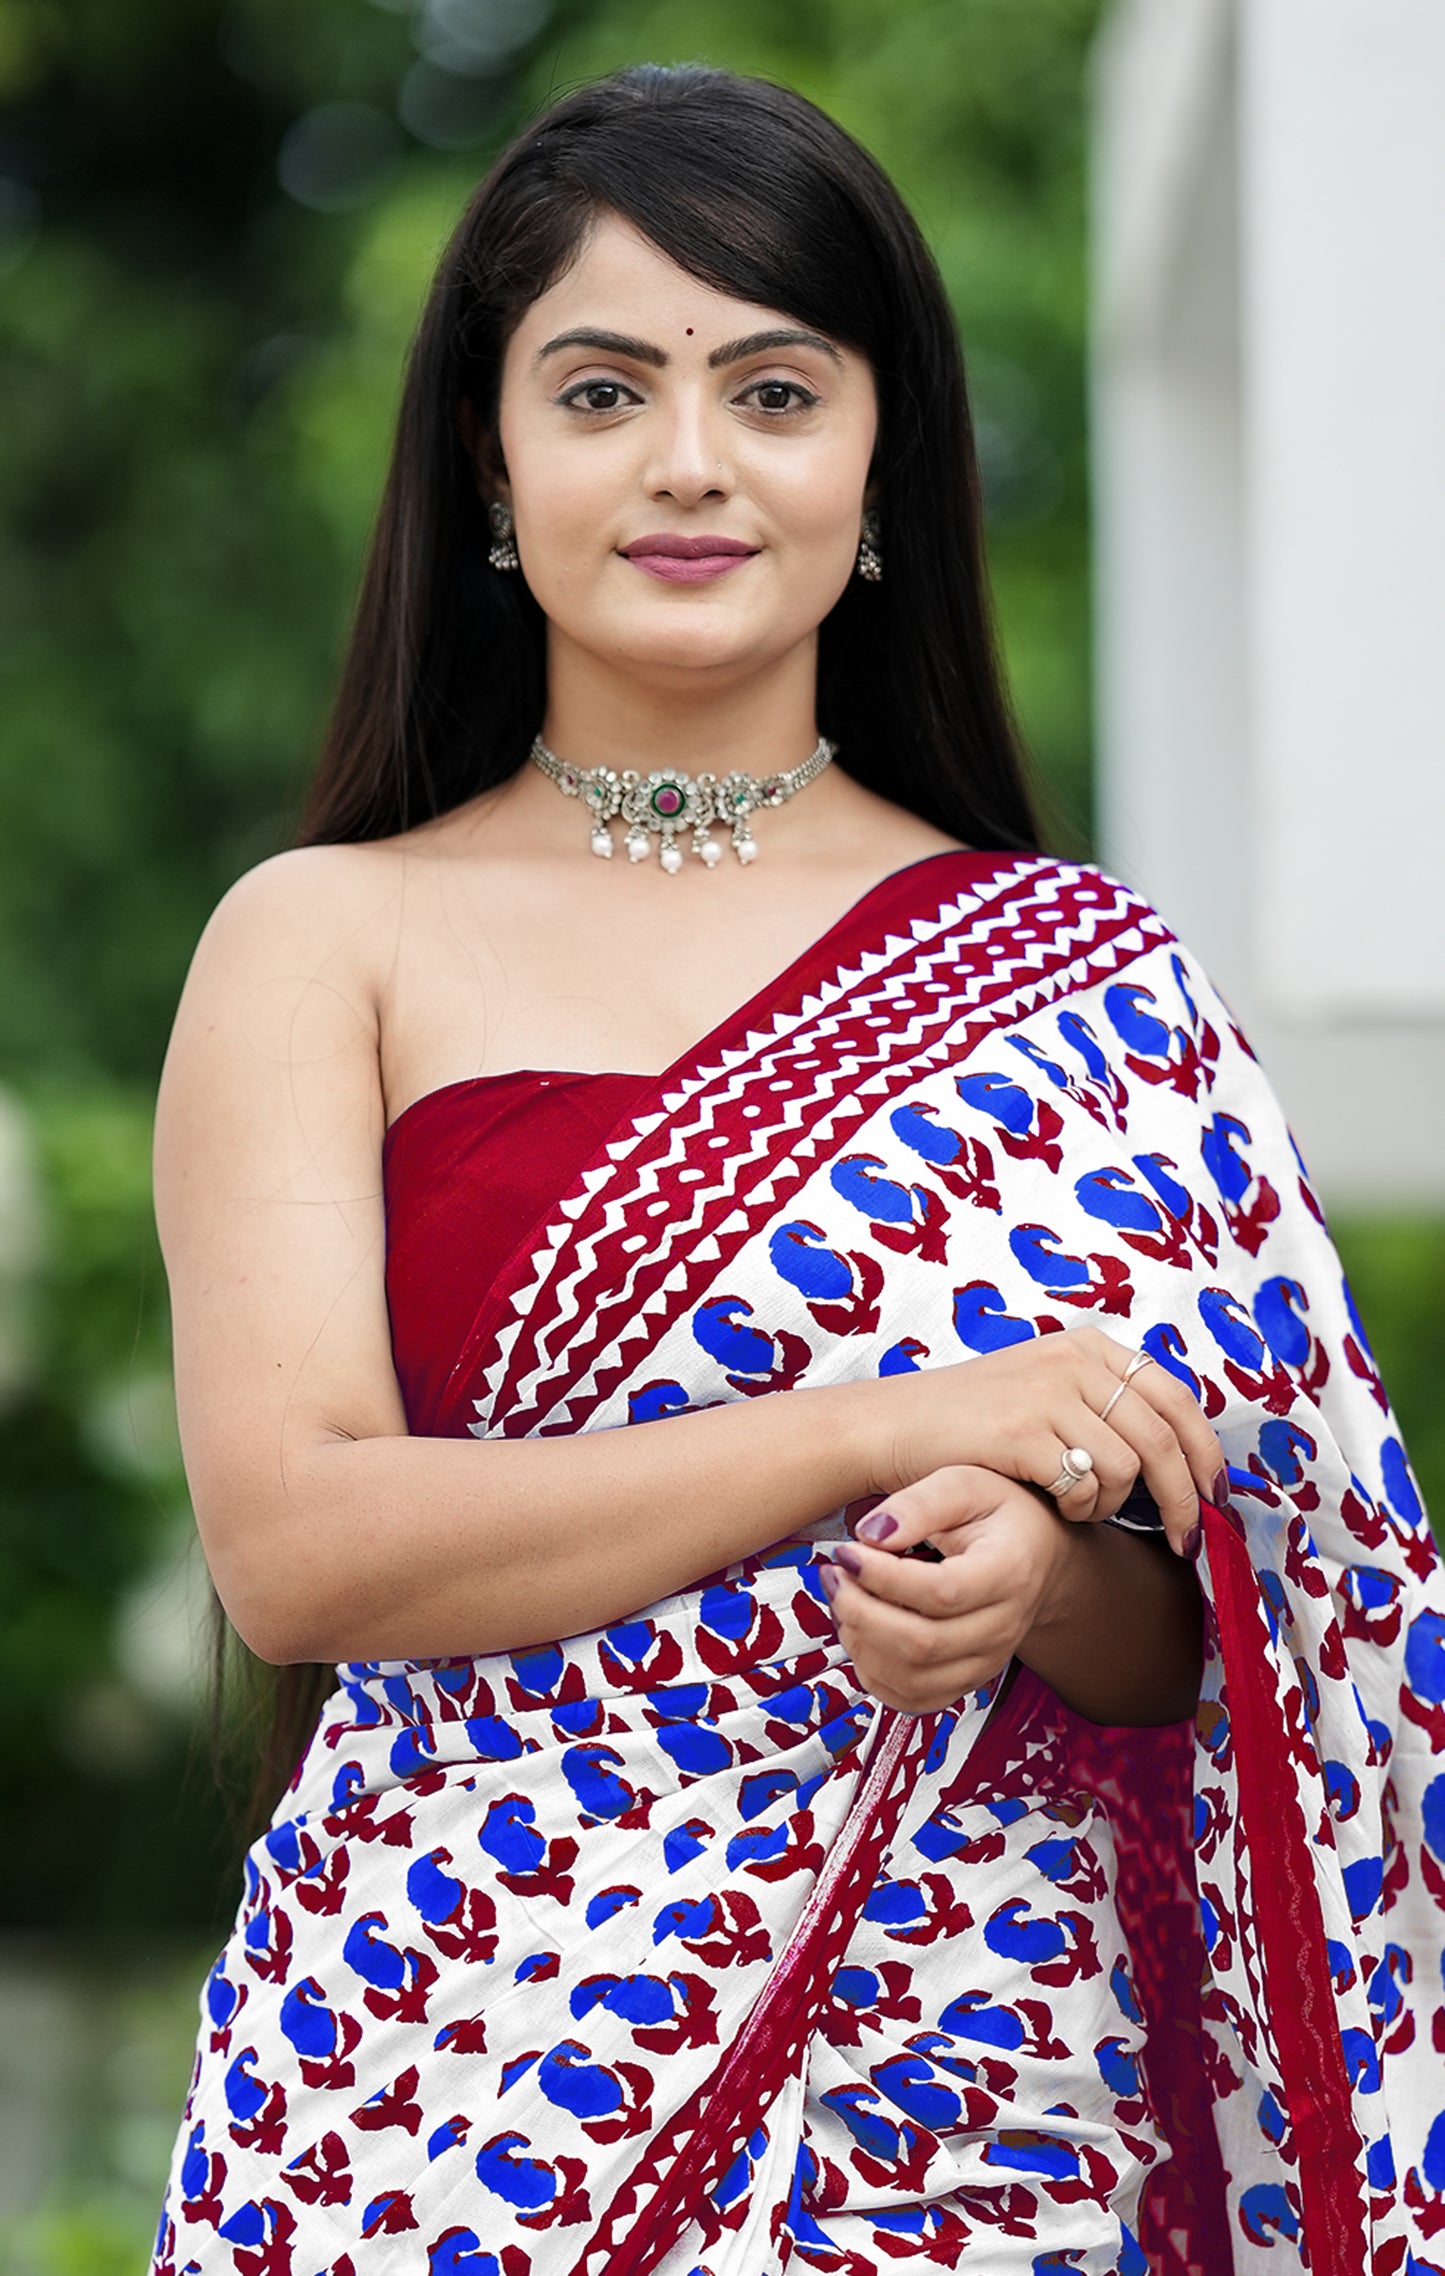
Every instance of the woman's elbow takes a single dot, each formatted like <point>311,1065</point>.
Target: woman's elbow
<point>272,1595</point>
<point>273,1623</point>
<point>269,1536</point>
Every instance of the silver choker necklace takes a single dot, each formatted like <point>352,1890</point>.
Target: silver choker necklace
<point>660,804</point>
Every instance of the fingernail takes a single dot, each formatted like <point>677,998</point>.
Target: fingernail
<point>830,1580</point>
<point>1193,1542</point>
<point>1219,1491</point>
<point>847,1556</point>
<point>877,1526</point>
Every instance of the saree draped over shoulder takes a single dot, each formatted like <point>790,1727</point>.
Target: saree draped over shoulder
<point>665,1947</point>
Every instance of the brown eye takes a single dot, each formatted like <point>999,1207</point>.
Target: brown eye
<point>601,395</point>
<point>781,395</point>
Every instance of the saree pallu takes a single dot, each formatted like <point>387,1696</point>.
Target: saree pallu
<point>666,1948</point>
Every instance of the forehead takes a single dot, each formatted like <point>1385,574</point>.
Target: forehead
<point>621,281</point>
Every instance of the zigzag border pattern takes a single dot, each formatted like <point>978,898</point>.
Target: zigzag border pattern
<point>1031,935</point>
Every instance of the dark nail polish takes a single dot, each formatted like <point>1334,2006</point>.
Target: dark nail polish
<point>1193,1542</point>
<point>1219,1491</point>
<point>847,1556</point>
<point>877,1525</point>
<point>830,1580</point>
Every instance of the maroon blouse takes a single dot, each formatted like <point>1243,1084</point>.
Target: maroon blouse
<point>470,1171</point>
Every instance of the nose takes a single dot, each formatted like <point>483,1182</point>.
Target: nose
<point>689,460</point>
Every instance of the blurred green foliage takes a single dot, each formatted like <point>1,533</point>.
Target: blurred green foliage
<point>90,2115</point>
<point>98,1696</point>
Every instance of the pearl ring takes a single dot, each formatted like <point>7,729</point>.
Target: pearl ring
<point>1078,1464</point>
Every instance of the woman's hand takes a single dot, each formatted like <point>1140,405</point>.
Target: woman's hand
<point>920,1633</point>
<point>1019,1411</point>
<point>1106,1618</point>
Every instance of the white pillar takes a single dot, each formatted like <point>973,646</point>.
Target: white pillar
<point>1270,472</point>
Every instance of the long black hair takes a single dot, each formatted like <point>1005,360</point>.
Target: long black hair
<point>753,190</point>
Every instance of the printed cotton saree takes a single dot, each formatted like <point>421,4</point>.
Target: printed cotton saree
<point>667,1948</point>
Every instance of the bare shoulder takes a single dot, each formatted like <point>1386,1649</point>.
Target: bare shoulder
<point>274,1049</point>
<point>313,907</point>
<point>308,927</point>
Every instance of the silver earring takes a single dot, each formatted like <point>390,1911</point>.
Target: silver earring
<point>503,553</point>
<point>870,558</point>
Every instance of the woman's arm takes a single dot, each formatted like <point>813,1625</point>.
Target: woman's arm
<point>330,1532</point>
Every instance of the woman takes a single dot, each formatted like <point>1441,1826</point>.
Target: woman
<point>675,1881</point>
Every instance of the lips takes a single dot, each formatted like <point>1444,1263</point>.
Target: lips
<point>668,546</point>
<point>687,560</point>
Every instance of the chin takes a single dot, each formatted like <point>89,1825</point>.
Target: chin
<point>691,650</point>
<point>699,639</point>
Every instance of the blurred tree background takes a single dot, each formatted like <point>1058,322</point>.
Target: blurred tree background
<point>217,218</point>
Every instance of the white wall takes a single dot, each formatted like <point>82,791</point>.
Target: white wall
<point>1269,384</point>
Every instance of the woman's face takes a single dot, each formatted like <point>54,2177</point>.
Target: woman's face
<point>644,415</point>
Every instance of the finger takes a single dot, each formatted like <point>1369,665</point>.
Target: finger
<point>945,1498</point>
<point>1162,1464</point>
<point>1080,1499</point>
<point>1110,1478</point>
<point>1077,1423</point>
<point>1107,1398</point>
<point>1080,1493</point>
<point>943,1591</point>
<point>1136,1442</point>
<point>926,1692</point>
<point>1181,1410</point>
<point>916,1661</point>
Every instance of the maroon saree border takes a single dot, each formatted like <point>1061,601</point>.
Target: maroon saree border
<point>1288,1917</point>
<point>1048,928</point>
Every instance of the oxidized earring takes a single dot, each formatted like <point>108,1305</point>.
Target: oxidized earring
<point>870,558</point>
<point>503,553</point>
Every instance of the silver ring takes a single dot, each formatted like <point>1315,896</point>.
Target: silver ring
<point>1078,1464</point>
<point>1140,1359</point>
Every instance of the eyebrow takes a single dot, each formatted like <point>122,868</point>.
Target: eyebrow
<point>644,352</point>
<point>761,344</point>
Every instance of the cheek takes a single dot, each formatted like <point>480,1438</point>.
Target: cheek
<point>562,527</point>
<point>817,532</point>
<point>816,498</point>
<point>814,503</point>
<point>556,503</point>
<point>559,494</point>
